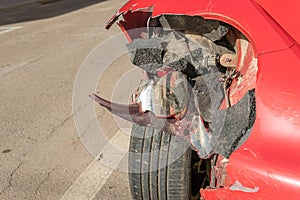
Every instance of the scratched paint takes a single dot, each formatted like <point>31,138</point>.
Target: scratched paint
<point>237,186</point>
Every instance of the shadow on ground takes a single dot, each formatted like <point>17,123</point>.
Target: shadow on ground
<point>37,10</point>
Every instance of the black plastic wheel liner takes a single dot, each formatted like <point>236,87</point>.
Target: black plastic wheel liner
<point>231,127</point>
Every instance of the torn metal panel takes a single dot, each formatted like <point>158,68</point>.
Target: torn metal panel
<point>131,20</point>
<point>249,18</point>
<point>229,60</point>
<point>134,24</point>
<point>244,63</point>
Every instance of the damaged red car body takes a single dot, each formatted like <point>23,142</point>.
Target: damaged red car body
<point>267,164</point>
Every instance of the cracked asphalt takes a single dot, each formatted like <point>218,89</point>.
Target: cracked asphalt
<point>41,155</point>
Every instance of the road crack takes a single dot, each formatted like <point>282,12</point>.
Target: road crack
<point>54,129</point>
<point>44,180</point>
<point>11,176</point>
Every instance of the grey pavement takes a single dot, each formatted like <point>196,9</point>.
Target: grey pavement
<point>7,3</point>
<point>41,154</point>
<point>13,3</point>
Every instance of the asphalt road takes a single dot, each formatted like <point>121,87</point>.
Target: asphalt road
<point>41,153</point>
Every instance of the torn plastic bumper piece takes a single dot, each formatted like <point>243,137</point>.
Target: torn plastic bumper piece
<point>168,103</point>
<point>189,129</point>
<point>165,104</point>
<point>166,98</point>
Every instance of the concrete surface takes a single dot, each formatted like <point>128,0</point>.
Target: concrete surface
<point>41,154</point>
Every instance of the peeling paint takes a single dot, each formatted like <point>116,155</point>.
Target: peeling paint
<point>237,186</point>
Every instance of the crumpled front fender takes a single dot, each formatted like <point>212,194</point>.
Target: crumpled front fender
<point>245,15</point>
<point>267,165</point>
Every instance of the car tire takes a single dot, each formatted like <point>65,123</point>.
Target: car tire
<point>160,166</point>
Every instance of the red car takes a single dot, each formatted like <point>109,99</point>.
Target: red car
<point>219,116</point>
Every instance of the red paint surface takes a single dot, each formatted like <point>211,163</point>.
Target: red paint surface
<point>286,13</point>
<point>270,158</point>
<point>245,15</point>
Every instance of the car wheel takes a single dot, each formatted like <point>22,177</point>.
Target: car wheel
<point>163,167</point>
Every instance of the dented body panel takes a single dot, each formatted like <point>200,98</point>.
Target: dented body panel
<point>245,15</point>
<point>269,159</point>
<point>267,165</point>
